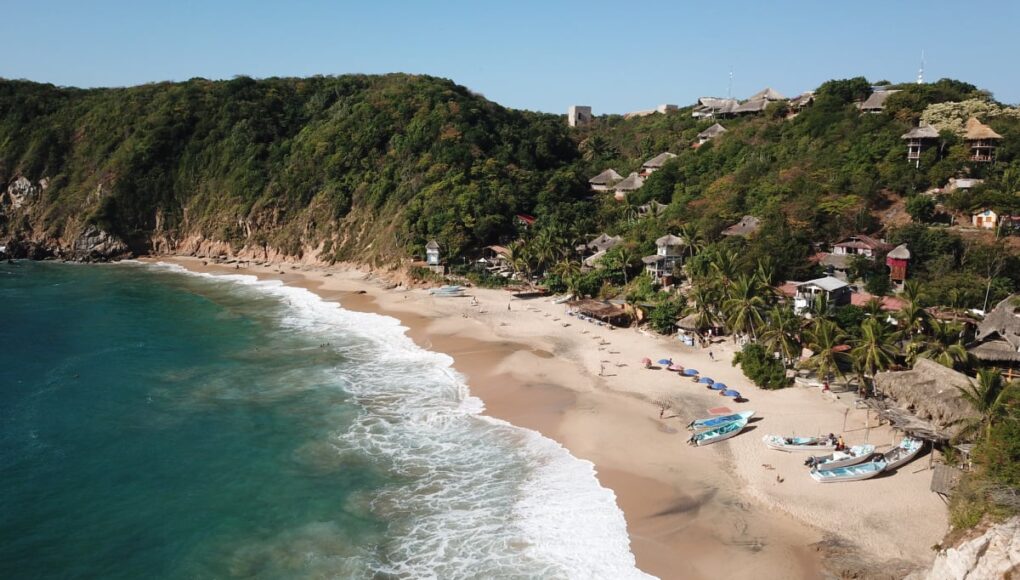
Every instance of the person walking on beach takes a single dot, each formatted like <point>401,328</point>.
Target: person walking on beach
<point>508,307</point>
<point>711,356</point>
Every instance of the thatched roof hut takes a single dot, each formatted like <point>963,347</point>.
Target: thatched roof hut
<point>603,311</point>
<point>712,132</point>
<point>876,101</point>
<point>747,226</point>
<point>998,335</point>
<point>606,178</point>
<point>927,398</point>
<point>923,131</point>
<point>658,161</point>
<point>978,131</point>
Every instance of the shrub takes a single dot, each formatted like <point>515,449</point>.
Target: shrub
<point>761,367</point>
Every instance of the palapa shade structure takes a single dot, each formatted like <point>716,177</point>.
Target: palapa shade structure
<point>928,403</point>
<point>601,310</point>
<point>978,131</point>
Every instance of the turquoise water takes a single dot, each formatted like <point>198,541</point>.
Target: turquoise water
<point>155,424</point>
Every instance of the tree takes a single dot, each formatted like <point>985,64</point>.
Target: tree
<point>761,367</point>
<point>782,333</point>
<point>701,301</point>
<point>826,342</point>
<point>921,209</point>
<point>873,351</point>
<point>744,307</point>
<point>663,316</point>
<point>987,395</point>
<point>942,343</point>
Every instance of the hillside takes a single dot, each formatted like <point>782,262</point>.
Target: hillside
<point>369,168</point>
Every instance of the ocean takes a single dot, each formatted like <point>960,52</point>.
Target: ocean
<point>156,423</point>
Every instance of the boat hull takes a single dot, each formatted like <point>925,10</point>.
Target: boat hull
<point>713,422</point>
<point>780,443</point>
<point>907,450</point>
<point>720,433</point>
<point>851,473</point>
<point>858,454</point>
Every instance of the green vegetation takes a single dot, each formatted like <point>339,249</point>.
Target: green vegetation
<point>761,367</point>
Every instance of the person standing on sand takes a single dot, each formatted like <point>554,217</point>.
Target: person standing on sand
<point>508,307</point>
<point>711,356</point>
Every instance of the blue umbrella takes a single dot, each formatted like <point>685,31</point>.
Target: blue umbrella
<point>691,372</point>
<point>730,393</point>
<point>665,361</point>
<point>706,380</point>
<point>720,385</point>
<point>717,387</point>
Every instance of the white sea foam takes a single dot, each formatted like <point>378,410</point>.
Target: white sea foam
<point>477,496</point>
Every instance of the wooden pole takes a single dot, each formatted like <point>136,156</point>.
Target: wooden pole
<point>845,413</point>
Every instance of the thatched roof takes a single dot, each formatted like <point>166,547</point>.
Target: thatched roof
<point>929,392</point>
<point>995,351</point>
<point>659,160</point>
<point>900,252</point>
<point>601,310</point>
<point>745,227</point>
<point>802,100</point>
<point>653,207</point>
<point>653,259</point>
<point>689,322</point>
<point>670,240</point>
<point>863,242</point>
<point>1004,321</point>
<point>767,94</point>
<point>712,132</point>
<point>633,182</point>
<point>604,242</point>
<point>976,131</point>
<point>876,101</point>
<point>432,245</point>
<point>923,131</point>
<point>607,177</point>
<point>752,106</point>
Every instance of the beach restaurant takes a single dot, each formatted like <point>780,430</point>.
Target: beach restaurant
<point>603,311</point>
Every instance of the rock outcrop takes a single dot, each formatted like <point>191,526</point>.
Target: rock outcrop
<point>96,245</point>
<point>20,192</point>
<point>993,554</point>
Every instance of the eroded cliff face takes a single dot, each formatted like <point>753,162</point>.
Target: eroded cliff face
<point>993,554</point>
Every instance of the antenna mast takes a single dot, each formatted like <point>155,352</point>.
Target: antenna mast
<point>920,71</point>
<point>729,89</point>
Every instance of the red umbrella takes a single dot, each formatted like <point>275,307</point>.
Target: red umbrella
<point>646,361</point>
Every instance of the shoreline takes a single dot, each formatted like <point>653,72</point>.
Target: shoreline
<point>734,508</point>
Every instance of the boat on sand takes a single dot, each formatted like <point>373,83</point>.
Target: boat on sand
<point>902,453</point>
<point>712,422</point>
<point>852,456</point>
<point>849,473</point>
<point>717,434</point>
<point>781,443</point>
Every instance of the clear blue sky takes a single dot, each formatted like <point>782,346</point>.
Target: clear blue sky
<point>540,55</point>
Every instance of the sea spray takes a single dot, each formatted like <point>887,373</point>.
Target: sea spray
<point>477,496</point>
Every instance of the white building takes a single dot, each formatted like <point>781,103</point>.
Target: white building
<point>579,116</point>
<point>669,252</point>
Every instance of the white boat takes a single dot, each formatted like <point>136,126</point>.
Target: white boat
<point>799,443</point>
<point>853,456</point>
<point>718,434</point>
<point>447,291</point>
<point>712,422</point>
<point>902,453</point>
<point>562,299</point>
<point>849,473</point>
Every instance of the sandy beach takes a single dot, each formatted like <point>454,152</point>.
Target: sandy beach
<point>734,508</point>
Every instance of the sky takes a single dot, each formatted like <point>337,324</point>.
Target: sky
<point>527,54</point>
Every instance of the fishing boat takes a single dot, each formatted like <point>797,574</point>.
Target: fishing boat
<point>718,434</point>
<point>853,456</point>
<point>562,298</point>
<point>712,422</point>
<point>849,473</point>
<point>902,453</point>
<point>799,443</point>
<point>447,291</point>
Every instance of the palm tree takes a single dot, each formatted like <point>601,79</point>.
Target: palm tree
<point>873,350</point>
<point>596,148</point>
<point>694,242</point>
<point>569,271</point>
<point>782,333</point>
<point>544,249</point>
<point>701,302</point>
<point>826,340</point>
<point>520,259</point>
<point>913,319</point>
<point>943,343</point>
<point>744,307</point>
<point>724,265</point>
<point>988,397</point>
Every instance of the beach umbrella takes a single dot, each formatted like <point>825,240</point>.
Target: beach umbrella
<point>665,361</point>
<point>691,372</point>
<point>720,385</point>
<point>676,368</point>
<point>706,380</point>
<point>730,393</point>
<point>646,361</point>
<point>716,387</point>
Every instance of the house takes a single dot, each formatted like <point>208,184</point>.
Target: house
<point>632,183</point>
<point>651,209</point>
<point>496,259</point>
<point>962,183</point>
<point>834,291</point>
<point>889,303</point>
<point>432,258</point>
<point>598,246</point>
<point>875,103</point>
<point>802,101</point>
<point>605,181</point>
<point>655,163</point>
<point>986,219</point>
<point>917,139</point>
<point>861,245</point>
<point>709,134</point>
<point>708,107</point>
<point>898,260</point>
<point>997,340</point>
<point>668,254</point>
<point>759,101</point>
<point>981,140</point>
<point>666,108</point>
<point>579,116</point>
<point>746,227</point>
<point>525,220</point>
